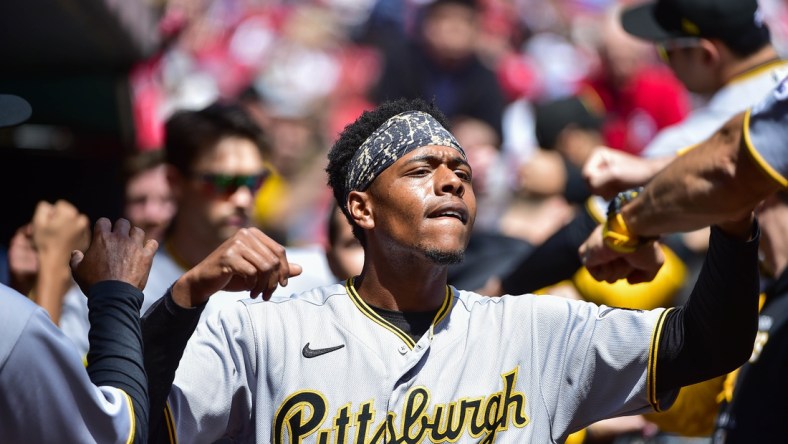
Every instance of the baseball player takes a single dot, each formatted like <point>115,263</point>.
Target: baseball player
<point>47,395</point>
<point>397,355</point>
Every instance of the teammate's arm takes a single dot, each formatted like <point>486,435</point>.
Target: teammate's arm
<point>113,272</point>
<point>108,403</point>
<point>717,181</point>
<point>249,260</point>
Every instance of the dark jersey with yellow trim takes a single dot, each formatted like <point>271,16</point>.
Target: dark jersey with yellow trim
<point>758,411</point>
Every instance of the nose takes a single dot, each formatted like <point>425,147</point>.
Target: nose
<point>242,197</point>
<point>449,182</point>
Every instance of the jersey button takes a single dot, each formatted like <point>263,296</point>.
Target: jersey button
<point>403,349</point>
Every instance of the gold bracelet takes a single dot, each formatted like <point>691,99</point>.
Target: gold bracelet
<point>615,232</point>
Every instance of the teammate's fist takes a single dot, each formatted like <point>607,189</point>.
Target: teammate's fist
<point>118,253</point>
<point>249,260</point>
<point>608,171</point>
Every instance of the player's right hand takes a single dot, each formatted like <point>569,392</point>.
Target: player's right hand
<point>118,253</point>
<point>249,260</point>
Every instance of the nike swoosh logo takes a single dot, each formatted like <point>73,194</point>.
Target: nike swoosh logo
<point>315,352</point>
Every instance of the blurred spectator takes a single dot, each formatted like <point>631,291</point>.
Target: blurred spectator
<point>440,62</point>
<point>489,251</point>
<point>344,253</point>
<point>639,97</point>
<point>148,200</point>
<point>490,184</point>
<point>215,161</point>
<point>215,165</point>
<point>568,130</point>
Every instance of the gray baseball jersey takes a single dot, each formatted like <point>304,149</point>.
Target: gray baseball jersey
<point>766,133</point>
<point>324,367</point>
<point>46,393</point>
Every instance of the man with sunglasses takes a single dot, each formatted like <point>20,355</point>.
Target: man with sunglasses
<point>214,163</point>
<point>215,166</point>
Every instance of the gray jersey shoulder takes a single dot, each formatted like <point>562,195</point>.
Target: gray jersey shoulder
<point>46,393</point>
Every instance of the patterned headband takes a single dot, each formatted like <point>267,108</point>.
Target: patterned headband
<point>397,137</point>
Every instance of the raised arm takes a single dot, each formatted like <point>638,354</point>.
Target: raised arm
<point>717,181</point>
<point>112,273</point>
<point>249,260</point>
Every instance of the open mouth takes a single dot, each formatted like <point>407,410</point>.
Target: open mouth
<point>453,211</point>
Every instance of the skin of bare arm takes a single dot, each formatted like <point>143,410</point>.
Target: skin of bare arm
<point>718,182</point>
<point>715,182</point>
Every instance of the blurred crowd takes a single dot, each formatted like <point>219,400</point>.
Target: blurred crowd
<point>532,89</point>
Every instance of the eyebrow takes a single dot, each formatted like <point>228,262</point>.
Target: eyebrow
<point>433,158</point>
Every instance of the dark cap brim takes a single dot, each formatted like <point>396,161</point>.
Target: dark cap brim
<point>13,110</point>
<point>640,21</point>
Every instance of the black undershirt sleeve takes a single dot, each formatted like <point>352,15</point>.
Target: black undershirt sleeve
<point>713,333</point>
<point>115,355</point>
<point>554,260</point>
<point>166,328</point>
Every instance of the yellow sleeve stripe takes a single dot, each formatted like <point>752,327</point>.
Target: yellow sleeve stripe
<point>757,156</point>
<point>169,421</point>
<point>132,428</point>
<point>651,377</point>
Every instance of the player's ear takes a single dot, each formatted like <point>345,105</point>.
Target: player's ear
<point>711,52</point>
<point>360,207</point>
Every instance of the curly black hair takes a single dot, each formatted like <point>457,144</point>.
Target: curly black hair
<point>356,133</point>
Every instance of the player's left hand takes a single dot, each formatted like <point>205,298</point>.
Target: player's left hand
<point>117,253</point>
<point>607,265</point>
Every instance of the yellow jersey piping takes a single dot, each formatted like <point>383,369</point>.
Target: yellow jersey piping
<point>169,422</point>
<point>371,314</point>
<point>132,429</point>
<point>757,156</point>
<point>651,377</point>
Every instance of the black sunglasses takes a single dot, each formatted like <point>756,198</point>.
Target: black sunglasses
<point>227,185</point>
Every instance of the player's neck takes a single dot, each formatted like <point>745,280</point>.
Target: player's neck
<point>402,288</point>
<point>739,68</point>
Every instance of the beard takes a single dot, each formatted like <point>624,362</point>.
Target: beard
<point>440,257</point>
